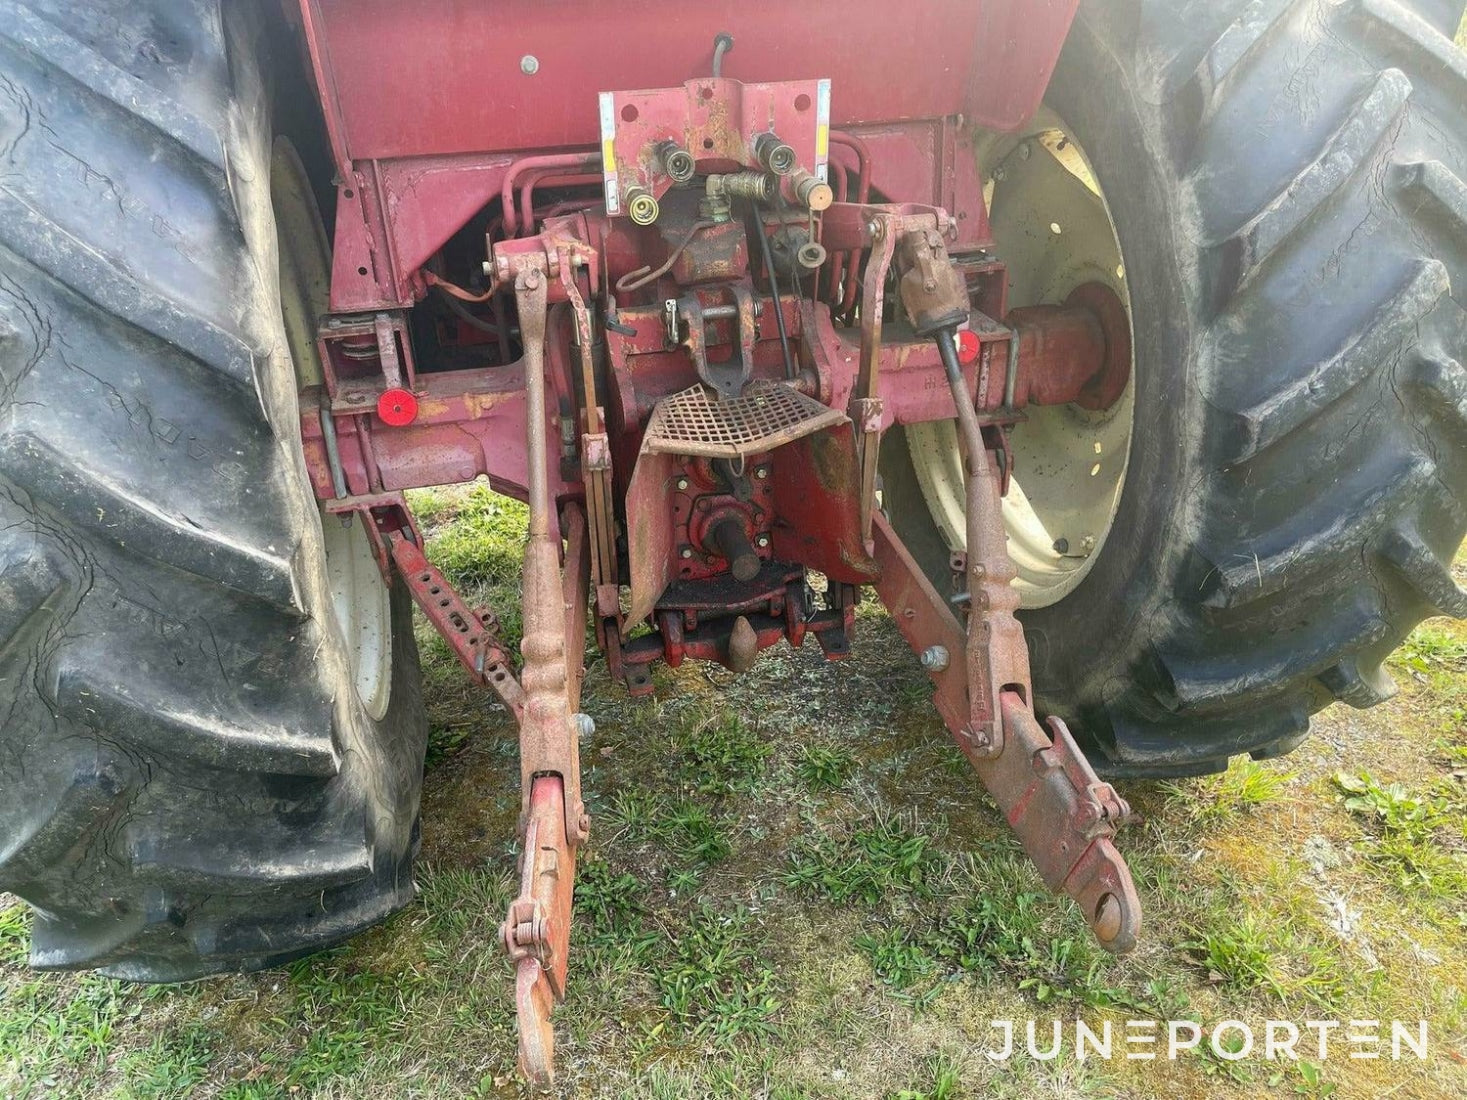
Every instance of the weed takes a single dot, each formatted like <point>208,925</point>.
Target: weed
<point>1238,955</point>
<point>722,756</point>
<point>717,983</point>
<point>170,1067</point>
<point>822,768</point>
<point>1395,809</point>
<point>636,810</point>
<point>1407,831</point>
<point>1243,787</point>
<point>887,857</point>
<point>1430,651</point>
<point>897,957</point>
<point>690,830</point>
<point>1311,1082</point>
<point>686,827</point>
<point>609,904</point>
<point>683,881</point>
<point>15,927</point>
<point>944,1077</point>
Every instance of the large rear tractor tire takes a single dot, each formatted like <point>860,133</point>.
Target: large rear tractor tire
<point>200,769</point>
<point>1285,184</point>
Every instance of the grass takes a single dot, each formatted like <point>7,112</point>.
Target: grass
<point>795,889</point>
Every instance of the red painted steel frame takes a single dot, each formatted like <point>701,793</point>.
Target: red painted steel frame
<point>427,104</point>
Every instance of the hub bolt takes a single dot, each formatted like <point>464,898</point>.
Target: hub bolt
<point>935,658</point>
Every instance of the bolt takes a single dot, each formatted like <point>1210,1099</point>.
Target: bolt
<point>762,472</point>
<point>935,658</point>
<point>1061,546</point>
<point>532,279</point>
<point>687,551</point>
<point>529,64</point>
<point>1087,544</point>
<point>585,725</point>
<point>489,268</point>
<point>682,484</point>
<point>762,541</point>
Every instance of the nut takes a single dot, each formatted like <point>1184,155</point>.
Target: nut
<point>935,658</point>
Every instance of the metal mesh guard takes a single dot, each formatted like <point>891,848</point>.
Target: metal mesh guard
<point>765,416</point>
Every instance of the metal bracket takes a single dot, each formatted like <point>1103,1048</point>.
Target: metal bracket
<point>727,378</point>
<point>472,633</point>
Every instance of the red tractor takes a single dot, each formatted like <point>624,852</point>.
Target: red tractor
<point>1117,352</point>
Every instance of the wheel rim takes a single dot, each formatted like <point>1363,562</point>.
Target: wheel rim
<point>359,599</point>
<point>1053,228</point>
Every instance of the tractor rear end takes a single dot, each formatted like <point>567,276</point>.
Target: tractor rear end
<point>1114,347</point>
<point>685,311</point>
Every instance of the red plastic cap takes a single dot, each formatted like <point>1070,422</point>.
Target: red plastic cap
<point>397,407</point>
<point>968,347</point>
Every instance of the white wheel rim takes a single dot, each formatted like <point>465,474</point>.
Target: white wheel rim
<point>1070,464</point>
<point>363,610</point>
<point>359,598</point>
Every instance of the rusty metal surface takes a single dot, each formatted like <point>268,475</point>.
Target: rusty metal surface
<point>773,617</point>
<point>765,416</point>
<point>933,291</point>
<point>815,485</point>
<point>925,619</point>
<point>536,930</point>
<point>690,328</point>
<point>1063,815</point>
<point>548,742</point>
<point>713,118</point>
<point>651,540</point>
<point>1078,353</point>
<point>472,633</point>
<point>575,596</point>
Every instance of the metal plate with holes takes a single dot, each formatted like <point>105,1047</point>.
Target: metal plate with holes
<point>765,416</point>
